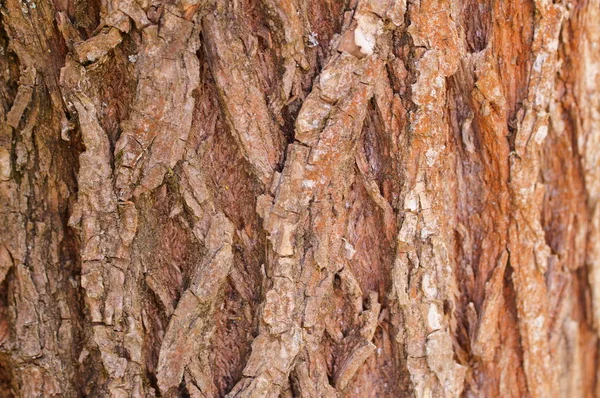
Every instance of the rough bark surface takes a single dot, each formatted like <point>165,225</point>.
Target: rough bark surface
<point>312,198</point>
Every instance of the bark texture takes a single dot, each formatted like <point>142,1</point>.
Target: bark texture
<point>311,198</point>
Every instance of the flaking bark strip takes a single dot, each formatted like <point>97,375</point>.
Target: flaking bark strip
<point>37,340</point>
<point>286,18</point>
<point>154,137</point>
<point>527,244</point>
<point>191,325</point>
<point>361,345</point>
<point>97,46</point>
<point>423,270</point>
<point>357,357</point>
<point>587,104</point>
<point>346,83</point>
<point>244,107</point>
<point>23,98</point>
<point>485,341</point>
<point>107,236</point>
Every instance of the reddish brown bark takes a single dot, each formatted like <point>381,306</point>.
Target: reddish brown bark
<point>299,198</point>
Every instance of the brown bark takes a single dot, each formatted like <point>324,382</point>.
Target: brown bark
<point>312,198</point>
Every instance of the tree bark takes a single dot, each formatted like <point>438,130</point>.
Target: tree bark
<point>311,198</point>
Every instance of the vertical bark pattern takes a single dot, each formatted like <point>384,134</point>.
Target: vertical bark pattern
<point>313,198</point>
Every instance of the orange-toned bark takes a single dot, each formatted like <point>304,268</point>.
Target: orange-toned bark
<point>263,198</point>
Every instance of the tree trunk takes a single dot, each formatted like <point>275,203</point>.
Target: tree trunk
<point>311,198</point>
